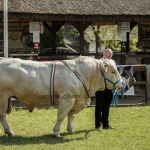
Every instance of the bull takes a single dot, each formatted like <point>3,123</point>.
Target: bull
<point>67,84</point>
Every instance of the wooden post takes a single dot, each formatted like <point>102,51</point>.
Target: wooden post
<point>127,43</point>
<point>123,49</point>
<point>53,42</point>
<point>81,39</point>
<point>147,82</point>
<point>5,29</point>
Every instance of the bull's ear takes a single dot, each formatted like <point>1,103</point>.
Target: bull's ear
<point>103,67</point>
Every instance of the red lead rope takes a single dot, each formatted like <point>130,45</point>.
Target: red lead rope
<point>52,77</point>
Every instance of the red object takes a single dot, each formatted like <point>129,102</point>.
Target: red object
<point>36,45</point>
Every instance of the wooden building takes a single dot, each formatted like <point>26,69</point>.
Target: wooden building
<point>79,13</point>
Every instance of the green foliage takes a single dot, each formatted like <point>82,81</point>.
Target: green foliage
<point>134,33</point>
<point>109,32</point>
<point>74,32</point>
<point>46,38</point>
<point>60,38</point>
<point>34,130</point>
<point>113,44</point>
<point>134,39</point>
<point>133,45</point>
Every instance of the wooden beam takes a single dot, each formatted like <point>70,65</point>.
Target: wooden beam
<point>47,26</point>
<point>60,24</point>
<point>86,24</point>
<point>76,25</point>
<point>132,25</point>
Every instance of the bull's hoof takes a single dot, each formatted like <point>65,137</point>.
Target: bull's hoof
<point>56,135</point>
<point>70,131</point>
<point>10,134</point>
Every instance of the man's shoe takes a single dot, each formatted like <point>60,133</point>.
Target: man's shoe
<point>98,128</point>
<point>108,127</point>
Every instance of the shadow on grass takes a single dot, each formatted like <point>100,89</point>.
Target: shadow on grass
<point>86,133</point>
<point>48,139</point>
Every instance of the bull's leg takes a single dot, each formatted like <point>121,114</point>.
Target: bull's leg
<point>64,107</point>
<point>5,124</point>
<point>75,109</point>
<point>4,103</point>
<point>70,123</point>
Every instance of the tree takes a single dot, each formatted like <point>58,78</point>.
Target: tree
<point>96,31</point>
<point>106,35</point>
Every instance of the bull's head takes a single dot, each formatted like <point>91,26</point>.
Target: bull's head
<point>111,75</point>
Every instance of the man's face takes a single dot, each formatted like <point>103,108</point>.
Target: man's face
<point>107,55</point>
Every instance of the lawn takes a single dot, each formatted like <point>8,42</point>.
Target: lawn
<point>33,131</point>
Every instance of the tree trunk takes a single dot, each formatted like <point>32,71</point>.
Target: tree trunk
<point>97,38</point>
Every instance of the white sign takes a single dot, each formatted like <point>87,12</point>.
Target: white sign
<point>36,37</point>
<point>34,27</point>
<point>125,27</point>
<point>123,36</point>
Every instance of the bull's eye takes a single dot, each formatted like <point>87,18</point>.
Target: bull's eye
<point>113,72</point>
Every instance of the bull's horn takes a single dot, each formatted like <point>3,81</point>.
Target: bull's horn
<point>103,66</point>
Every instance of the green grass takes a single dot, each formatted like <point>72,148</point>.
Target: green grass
<point>33,131</point>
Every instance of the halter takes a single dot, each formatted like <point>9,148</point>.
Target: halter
<point>115,99</point>
<point>114,83</point>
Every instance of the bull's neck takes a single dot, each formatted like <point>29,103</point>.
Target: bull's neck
<point>94,80</point>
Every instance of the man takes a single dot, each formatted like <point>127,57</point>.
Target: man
<point>103,100</point>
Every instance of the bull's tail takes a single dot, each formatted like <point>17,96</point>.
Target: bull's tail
<point>9,108</point>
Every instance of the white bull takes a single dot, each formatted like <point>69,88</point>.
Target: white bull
<point>33,83</point>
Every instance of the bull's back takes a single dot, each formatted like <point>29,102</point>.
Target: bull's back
<point>25,77</point>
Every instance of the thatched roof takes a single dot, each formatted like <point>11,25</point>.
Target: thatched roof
<point>78,10</point>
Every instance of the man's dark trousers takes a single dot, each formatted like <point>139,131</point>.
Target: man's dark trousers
<point>103,101</point>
